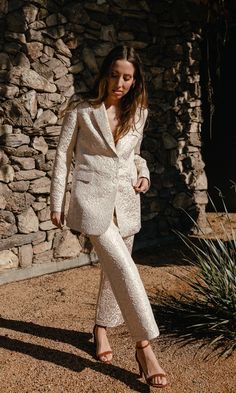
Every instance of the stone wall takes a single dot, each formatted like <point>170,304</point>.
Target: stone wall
<point>49,50</point>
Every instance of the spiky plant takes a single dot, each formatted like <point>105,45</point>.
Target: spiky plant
<point>209,310</point>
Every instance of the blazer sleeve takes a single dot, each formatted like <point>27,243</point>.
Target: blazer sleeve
<point>140,162</point>
<point>63,158</point>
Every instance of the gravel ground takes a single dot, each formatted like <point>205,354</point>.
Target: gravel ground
<point>46,342</point>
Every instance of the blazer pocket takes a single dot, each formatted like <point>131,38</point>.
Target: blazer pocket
<point>85,176</point>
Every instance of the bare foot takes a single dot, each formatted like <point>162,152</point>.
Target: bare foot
<point>102,344</point>
<point>151,365</point>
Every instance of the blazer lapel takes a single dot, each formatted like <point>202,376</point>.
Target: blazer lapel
<point>100,115</point>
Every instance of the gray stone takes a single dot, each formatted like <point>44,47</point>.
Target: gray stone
<point>21,151</point>
<point>44,215</point>
<point>53,130</point>
<point>47,117</point>
<point>34,35</point>
<point>30,13</point>
<point>19,240</point>
<point>50,155</point>
<point>62,48</point>
<point>8,260</point>
<point>40,144</point>
<point>125,36</point>
<point>34,50</point>
<point>25,255</point>
<point>51,233</point>
<point>48,100</point>
<point>76,68</point>
<point>68,245</point>
<point>16,114</point>
<point>200,182</point>
<point>5,129</point>
<point>40,238</point>
<point>65,60</point>
<point>55,32</point>
<point>46,225</point>
<point>37,25</point>
<point>28,221</point>
<point>43,70</point>
<point>29,174</point>
<point>64,83</point>
<point>60,71</point>
<point>55,19</point>
<point>37,206</point>
<point>24,162</point>
<point>19,186</point>
<point>32,80</point>
<point>15,140</point>
<point>6,173</point>
<point>182,201</point>
<point>16,202</point>
<point>7,224</point>
<point>30,101</point>
<point>90,60</point>
<point>200,197</point>
<point>3,202</point>
<point>49,51</point>
<point>5,62</point>
<point>44,257</point>
<point>42,247</point>
<point>10,36</point>
<point>9,91</point>
<point>40,186</point>
<point>21,60</point>
<point>108,33</point>
<point>169,141</point>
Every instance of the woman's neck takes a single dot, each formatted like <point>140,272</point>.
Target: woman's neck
<point>112,102</point>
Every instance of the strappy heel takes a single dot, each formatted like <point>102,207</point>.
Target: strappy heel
<point>149,379</point>
<point>101,354</point>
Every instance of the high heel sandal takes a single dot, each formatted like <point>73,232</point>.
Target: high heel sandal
<point>101,354</point>
<point>149,379</point>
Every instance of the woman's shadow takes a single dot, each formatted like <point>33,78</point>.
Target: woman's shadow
<point>71,361</point>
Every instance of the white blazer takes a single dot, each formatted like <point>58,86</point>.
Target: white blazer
<point>103,175</point>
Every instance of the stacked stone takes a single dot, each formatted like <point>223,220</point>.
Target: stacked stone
<point>51,49</point>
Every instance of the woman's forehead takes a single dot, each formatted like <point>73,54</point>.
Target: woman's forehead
<point>123,67</point>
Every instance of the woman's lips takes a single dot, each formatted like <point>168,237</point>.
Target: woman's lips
<point>117,91</point>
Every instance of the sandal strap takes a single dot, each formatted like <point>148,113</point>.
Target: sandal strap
<point>142,347</point>
<point>96,325</point>
<point>156,375</point>
<point>104,353</point>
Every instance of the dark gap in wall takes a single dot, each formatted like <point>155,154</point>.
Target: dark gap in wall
<point>219,145</point>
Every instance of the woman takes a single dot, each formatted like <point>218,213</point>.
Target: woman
<point>105,130</point>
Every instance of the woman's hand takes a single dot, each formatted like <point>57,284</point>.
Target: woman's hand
<point>57,219</point>
<point>142,185</point>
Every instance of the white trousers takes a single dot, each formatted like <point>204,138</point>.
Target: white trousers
<point>122,296</point>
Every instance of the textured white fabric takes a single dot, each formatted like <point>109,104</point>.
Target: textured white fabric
<point>126,284</point>
<point>104,174</point>
<point>108,312</point>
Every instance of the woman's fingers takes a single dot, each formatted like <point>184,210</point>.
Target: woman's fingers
<point>57,219</point>
<point>142,185</point>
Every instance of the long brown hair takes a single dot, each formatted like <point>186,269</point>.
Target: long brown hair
<point>130,103</point>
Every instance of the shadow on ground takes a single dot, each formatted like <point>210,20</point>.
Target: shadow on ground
<point>71,361</point>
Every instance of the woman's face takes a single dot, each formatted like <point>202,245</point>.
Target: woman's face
<point>120,80</point>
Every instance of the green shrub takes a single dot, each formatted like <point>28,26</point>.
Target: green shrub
<point>209,310</point>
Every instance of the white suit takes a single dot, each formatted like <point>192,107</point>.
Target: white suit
<point>104,174</point>
<point>105,206</point>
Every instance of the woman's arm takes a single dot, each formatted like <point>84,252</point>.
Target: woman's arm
<point>143,183</point>
<point>62,162</point>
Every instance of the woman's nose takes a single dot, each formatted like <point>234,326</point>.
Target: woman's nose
<point>119,82</point>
